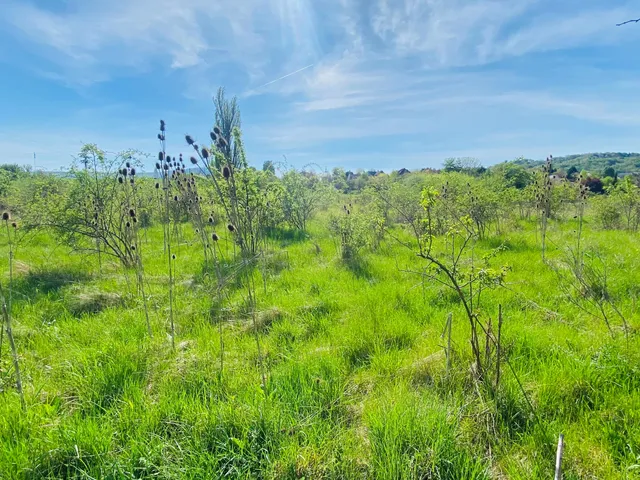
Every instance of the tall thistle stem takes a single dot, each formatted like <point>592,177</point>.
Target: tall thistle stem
<point>166,184</point>
<point>6,313</point>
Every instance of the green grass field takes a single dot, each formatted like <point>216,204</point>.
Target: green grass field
<point>357,380</point>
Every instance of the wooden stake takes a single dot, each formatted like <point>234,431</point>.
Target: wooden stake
<point>498,345</point>
<point>559,452</point>
<point>448,327</point>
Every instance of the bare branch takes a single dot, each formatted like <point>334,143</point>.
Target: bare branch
<point>628,21</point>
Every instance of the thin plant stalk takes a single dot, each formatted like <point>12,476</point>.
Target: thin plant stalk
<point>6,313</point>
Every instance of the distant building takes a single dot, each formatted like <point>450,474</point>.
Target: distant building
<point>403,171</point>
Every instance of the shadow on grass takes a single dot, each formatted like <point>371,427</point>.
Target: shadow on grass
<point>46,281</point>
<point>359,267</point>
<point>286,236</point>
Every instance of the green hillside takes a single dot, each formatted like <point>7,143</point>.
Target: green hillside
<point>624,163</point>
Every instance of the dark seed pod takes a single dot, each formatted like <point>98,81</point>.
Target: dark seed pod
<point>175,198</point>
<point>166,166</point>
<point>120,180</point>
<point>157,185</point>
<point>213,136</point>
<point>217,130</point>
<point>162,125</point>
<point>226,172</point>
<point>132,172</point>
<point>133,247</point>
<point>132,212</point>
<point>189,139</point>
<point>158,167</point>
<point>160,137</point>
<point>14,224</point>
<point>231,228</point>
<point>210,219</point>
<point>128,165</point>
<point>194,160</point>
<point>160,156</point>
<point>205,153</point>
<point>128,224</point>
<point>197,230</point>
<point>173,257</point>
<point>131,181</point>
<point>135,220</point>
<point>5,216</point>
<point>222,142</point>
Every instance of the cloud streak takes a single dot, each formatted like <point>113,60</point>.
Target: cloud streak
<point>430,74</point>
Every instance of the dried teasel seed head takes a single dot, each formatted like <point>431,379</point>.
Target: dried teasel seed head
<point>197,230</point>
<point>166,166</point>
<point>158,166</point>
<point>14,224</point>
<point>132,172</point>
<point>217,130</point>
<point>189,139</point>
<point>222,142</point>
<point>160,156</point>
<point>175,198</point>
<point>132,212</point>
<point>157,185</point>
<point>128,224</point>
<point>205,153</point>
<point>120,180</point>
<point>162,127</point>
<point>128,165</point>
<point>6,216</point>
<point>214,137</point>
<point>135,220</point>
<point>210,219</point>
<point>231,228</point>
<point>214,237</point>
<point>173,257</point>
<point>131,181</point>
<point>194,160</point>
<point>133,247</point>
<point>226,172</point>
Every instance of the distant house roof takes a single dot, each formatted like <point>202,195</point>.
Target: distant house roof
<point>403,171</point>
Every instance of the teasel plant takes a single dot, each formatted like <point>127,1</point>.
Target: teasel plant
<point>193,205</point>
<point>582,203</point>
<point>237,197</point>
<point>165,169</point>
<point>131,206</point>
<point>544,199</point>
<point>10,229</point>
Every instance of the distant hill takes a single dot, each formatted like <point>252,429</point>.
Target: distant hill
<point>595,163</point>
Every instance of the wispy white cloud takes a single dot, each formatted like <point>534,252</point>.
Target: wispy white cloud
<point>376,70</point>
<point>98,38</point>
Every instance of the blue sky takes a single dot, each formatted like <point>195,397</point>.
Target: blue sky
<point>380,84</point>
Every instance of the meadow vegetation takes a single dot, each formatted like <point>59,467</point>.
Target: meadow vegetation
<point>216,320</point>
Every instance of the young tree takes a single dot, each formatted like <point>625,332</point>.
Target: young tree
<point>302,194</point>
<point>227,117</point>
<point>94,207</point>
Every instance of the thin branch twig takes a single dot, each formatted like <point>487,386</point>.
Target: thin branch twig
<point>628,21</point>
